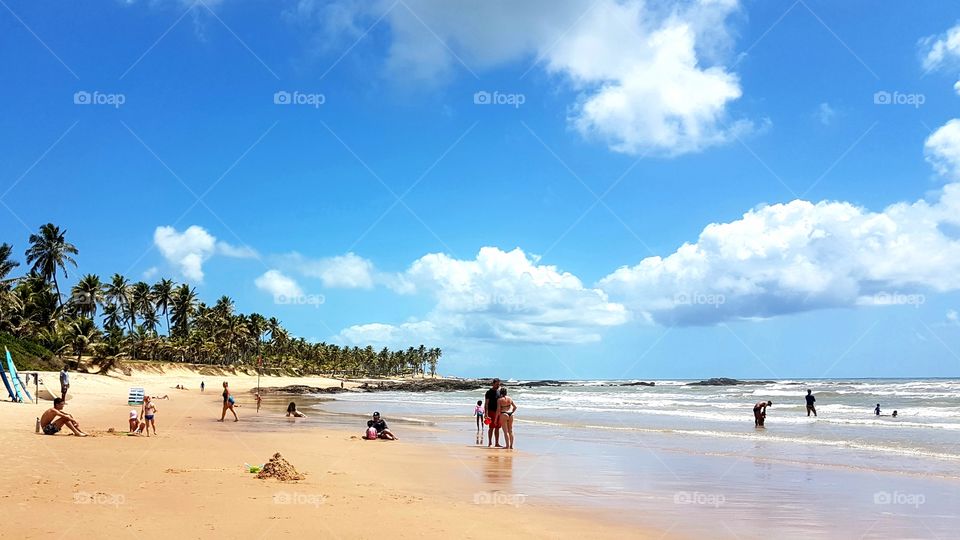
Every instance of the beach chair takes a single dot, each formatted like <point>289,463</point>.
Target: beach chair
<point>135,397</point>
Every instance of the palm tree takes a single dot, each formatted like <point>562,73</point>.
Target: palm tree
<point>49,252</point>
<point>86,294</point>
<point>162,296</point>
<point>141,300</point>
<point>9,302</point>
<point>83,335</point>
<point>117,292</point>
<point>183,305</point>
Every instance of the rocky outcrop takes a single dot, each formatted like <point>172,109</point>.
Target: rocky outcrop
<point>637,383</point>
<point>300,389</point>
<point>425,385</point>
<point>723,381</point>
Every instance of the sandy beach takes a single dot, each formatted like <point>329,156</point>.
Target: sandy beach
<point>190,480</point>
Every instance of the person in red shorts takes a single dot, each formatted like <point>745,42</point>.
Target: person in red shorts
<point>491,409</point>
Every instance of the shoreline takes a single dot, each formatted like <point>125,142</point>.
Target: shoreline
<point>193,470</point>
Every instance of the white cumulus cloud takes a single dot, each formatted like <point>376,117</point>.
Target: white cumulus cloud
<point>278,285</point>
<point>941,51</point>
<point>188,250</point>
<point>650,76</point>
<point>942,149</point>
<point>798,256</point>
<point>502,296</point>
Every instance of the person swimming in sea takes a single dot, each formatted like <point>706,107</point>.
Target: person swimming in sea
<point>292,411</point>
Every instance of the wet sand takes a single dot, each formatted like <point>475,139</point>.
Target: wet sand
<point>190,480</point>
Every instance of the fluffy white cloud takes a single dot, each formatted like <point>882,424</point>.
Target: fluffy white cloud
<point>650,76</point>
<point>799,256</point>
<point>188,250</point>
<point>942,149</point>
<point>348,271</point>
<point>502,296</point>
<point>942,50</point>
<point>278,285</point>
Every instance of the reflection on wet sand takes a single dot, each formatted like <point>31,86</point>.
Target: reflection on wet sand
<point>498,467</point>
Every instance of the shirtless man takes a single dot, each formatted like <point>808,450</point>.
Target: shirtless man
<point>491,409</point>
<point>760,412</point>
<point>54,419</point>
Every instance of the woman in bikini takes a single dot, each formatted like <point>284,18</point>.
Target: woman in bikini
<point>147,413</point>
<point>228,402</point>
<point>506,407</point>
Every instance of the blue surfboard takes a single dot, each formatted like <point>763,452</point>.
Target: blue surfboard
<point>6,383</point>
<point>17,385</point>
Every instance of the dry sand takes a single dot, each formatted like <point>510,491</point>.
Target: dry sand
<point>190,481</point>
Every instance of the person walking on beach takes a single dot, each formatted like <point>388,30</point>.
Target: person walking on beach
<point>478,414</point>
<point>506,407</point>
<point>760,413</point>
<point>228,403</point>
<point>810,401</point>
<point>54,419</point>
<point>147,412</point>
<point>491,409</point>
<point>64,383</point>
<point>202,386</point>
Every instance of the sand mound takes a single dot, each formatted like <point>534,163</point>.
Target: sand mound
<point>280,469</point>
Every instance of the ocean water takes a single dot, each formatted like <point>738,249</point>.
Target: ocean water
<point>689,459</point>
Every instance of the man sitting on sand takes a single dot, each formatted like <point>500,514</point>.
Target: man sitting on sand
<point>54,419</point>
<point>381,426</point>
<point>760,412</point>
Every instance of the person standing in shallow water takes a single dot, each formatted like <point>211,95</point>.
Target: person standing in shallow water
<point>492,412</point>
<point>810,401</point>
<point>228,403</point>
<point>506,407</point>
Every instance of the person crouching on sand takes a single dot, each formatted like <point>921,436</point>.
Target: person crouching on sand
<point>134,422</point>
<point>506,407</point>
<point>228,403</point>
<point>54,419</point>
<point>292,411</point>
<point>760,412</point>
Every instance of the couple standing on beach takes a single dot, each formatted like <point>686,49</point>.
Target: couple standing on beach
<point>498,409</point>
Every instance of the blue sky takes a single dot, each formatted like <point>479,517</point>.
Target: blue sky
<point>390,207</point>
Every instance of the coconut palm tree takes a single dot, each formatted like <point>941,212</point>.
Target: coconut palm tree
<point>86,295</point>
<point>9,302</point>
<point>141,300</point>
<point>83,335</point>
<point>49,252</point>
<point>183,306</point>
<point>162,296</point>
<point>117,292</point>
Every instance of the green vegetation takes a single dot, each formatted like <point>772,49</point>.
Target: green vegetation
<point>116,320</point>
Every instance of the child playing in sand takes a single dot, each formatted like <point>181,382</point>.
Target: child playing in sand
<point>147,413</point>
<point>134,423</point>
<point>292,411</point>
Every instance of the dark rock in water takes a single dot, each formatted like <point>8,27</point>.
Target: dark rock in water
<point>534,384</point>
<point>637,383</point>
<point>300,389</point>
<point>425,385</point>
<point>723,381</point>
